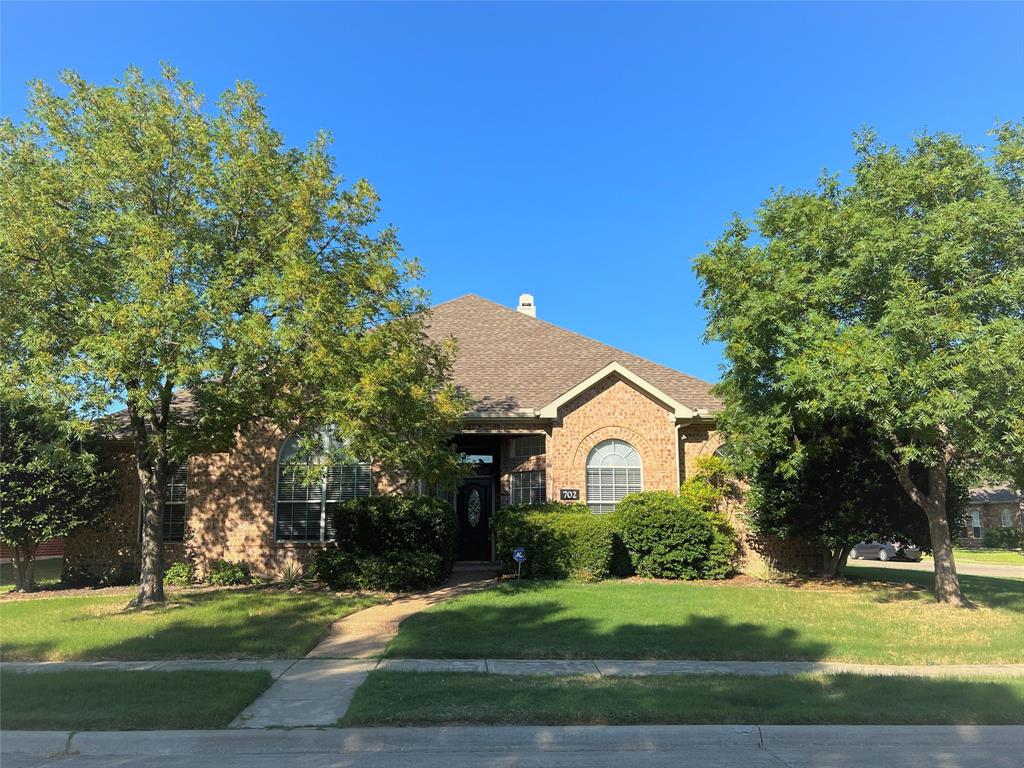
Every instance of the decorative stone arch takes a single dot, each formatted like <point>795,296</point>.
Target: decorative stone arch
<point>634,438</point>
<point>715,441</point>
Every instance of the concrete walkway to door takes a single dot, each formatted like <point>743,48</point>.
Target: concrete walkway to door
<point>365,634</point>
<point>318,689</point>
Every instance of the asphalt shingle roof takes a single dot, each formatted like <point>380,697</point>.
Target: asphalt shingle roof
<point>993,494</point>
<point>510,362</point>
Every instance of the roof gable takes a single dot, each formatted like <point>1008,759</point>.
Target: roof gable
<point>678,410</point>
<point>512,364</point>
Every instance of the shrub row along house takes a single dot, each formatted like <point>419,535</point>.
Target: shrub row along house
<point>556,417</point>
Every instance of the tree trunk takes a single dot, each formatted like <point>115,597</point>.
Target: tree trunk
<point>151,578</point>
<point>152,471</point>
<point>832,560</point>
<point>24,556</point>
<point>947,583</point>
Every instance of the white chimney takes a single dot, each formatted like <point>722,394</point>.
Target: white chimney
<point>526,305</point>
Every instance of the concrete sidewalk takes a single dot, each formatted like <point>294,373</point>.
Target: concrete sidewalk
<point>308,669</point>
<point>732,746</point>
<point>318,689</point>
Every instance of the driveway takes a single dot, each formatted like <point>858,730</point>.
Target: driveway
<point>968,569</point>
<point>707,746</point>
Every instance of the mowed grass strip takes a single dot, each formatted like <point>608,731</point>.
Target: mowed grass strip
<point>45,572</point>
<point>93,700</point>
<point>989,556</point>
<point>249,623</point>
<point>417,698</point>
<point>859,621</point>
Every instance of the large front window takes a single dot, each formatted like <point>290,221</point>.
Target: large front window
<point>305,501</point>
<point>613,470</point>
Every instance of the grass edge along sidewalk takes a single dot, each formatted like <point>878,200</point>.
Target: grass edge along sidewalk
<point>250,623</point>
<point>879,617</point>
<point>100,700</point>
<point>390,698</point>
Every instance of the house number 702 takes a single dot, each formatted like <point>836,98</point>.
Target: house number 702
<point>569,494</point>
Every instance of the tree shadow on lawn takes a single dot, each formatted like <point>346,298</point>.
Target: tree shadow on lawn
<point>249,624</point>
<point>990,591</point>
<point>535,632</point>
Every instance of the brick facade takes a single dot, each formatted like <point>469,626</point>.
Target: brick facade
<point>232,495</point>
<point>990,516</point>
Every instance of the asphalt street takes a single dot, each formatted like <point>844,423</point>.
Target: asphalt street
<point>970,569</point>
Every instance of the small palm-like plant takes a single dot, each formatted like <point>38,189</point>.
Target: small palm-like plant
<point>292,576</point>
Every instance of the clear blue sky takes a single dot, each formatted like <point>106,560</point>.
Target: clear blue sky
<point>582,152</point>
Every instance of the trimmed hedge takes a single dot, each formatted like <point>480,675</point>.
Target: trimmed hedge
<point>180,574</point>
<point>675,537</point>
<point>1003,538</point>
<point>390,543</point>
<point>562,541</point>
<point>224,573</point>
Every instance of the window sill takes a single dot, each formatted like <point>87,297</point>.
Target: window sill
<point>311,544</point>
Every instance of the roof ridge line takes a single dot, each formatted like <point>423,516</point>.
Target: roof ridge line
<point>579,335</point>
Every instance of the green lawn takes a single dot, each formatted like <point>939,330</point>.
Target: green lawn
<point>990,556</point>
<point>410,698</point>
<point>94,700</point>
<point>251,623</point>
<point>46,572</point>
<point>862,621</point>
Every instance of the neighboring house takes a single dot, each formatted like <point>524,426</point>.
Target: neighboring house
<point>50,548</point>
<point>991,506</point>
<point>556,416</point>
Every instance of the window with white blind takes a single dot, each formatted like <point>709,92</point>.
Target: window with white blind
<point>1007,517</point>
<point>175,506</point>
<point>528,487</point>
<point>976,523</point>
<point>305,507</point>
<point>613,470</point>
<point>530,445</point>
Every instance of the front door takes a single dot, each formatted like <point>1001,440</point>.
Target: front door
<point>473,505</point>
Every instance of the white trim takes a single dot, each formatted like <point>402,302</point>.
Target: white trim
<point>680,411</point>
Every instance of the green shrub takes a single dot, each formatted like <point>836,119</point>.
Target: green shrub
<point>180,574</point>
<point>120,574</point>
<point>1003,538</point>
<point>381,525</point>
<point>562,541</point>
<point>336,569</point>
<point>675,537</point>
<point>391,543</point>
<point>400,571</point>
<point>224,573</point>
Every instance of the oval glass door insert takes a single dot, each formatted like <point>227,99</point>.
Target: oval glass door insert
<point>473,507</point>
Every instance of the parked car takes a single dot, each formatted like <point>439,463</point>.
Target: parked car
<point>885,550</point>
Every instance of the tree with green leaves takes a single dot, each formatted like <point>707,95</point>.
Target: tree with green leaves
<point>830,485</point>
<point>897,298</point>
<point>51,481</point>
<point>180,260</point>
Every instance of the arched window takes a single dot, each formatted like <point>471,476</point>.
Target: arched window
<point>305,508</point>
<point>613,470</point>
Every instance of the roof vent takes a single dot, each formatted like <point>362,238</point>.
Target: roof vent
<point>526,305</point>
